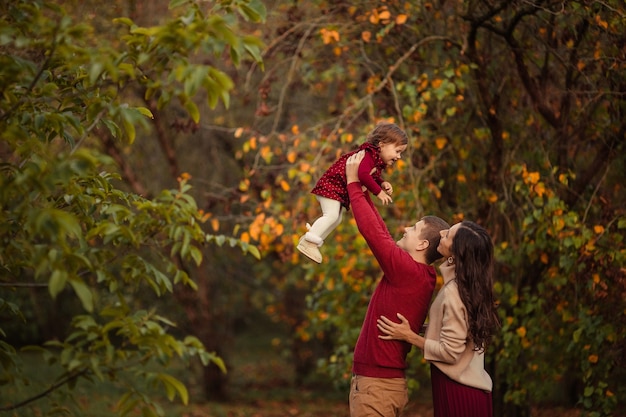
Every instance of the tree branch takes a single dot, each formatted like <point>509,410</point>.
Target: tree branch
<point>47,391</point>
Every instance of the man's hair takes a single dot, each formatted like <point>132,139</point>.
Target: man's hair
<point>432,232</point>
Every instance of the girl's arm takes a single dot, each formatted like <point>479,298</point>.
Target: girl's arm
<point>367,171</point>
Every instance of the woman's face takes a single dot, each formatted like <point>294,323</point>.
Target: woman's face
<point>391,152</point>
<point>447,237</point>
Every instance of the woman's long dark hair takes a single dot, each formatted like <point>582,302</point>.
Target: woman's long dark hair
<point>472,249</point>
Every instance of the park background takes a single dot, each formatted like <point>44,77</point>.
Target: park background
<point>157,158</point>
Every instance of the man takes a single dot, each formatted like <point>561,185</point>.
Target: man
<point>378,385</point>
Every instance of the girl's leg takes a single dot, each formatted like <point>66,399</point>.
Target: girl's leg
<point>332,214</point>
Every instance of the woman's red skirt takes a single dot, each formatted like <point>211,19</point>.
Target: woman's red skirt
<point>452,399</point>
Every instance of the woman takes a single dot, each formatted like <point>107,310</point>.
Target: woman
<point>462,319</point>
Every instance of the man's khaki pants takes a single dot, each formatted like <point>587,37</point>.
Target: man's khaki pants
<point>377,397</point>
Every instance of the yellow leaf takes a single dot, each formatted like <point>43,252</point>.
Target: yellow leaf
<point>295,130</point>
<point>384,15</point>
<point>266,152</point>
<point>284,185</point>
<point>598,228</point>
<point>291,157</point>
<point>215,224</point>
<point>329,36</point>
<point>521,331</point>
<point>559,224</point>
<point>532,178</point>
<point>238,132</point>
<point>245,237</point>
<point>306,179</point>
<point>366,35</point>
<point>401,19</point>
<point>436,82</point>
<point>540,189</point>
<point>441,142</point>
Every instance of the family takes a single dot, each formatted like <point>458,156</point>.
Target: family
<point>461,318</point>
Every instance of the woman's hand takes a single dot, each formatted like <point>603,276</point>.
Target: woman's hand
<point>399,331</point>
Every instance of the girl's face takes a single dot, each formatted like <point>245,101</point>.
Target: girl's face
<point>391,152</point>
<point>445,243</point>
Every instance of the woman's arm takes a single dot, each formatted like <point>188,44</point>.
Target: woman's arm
<point>399,331</point>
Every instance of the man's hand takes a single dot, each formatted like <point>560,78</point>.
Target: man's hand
<point>352,166</point>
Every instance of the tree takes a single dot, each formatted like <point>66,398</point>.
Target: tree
<point>67,223</point>
<point>515,113</point>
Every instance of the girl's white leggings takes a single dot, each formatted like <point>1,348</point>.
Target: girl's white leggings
<point>332,214</point>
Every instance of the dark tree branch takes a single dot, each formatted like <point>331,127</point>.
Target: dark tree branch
<point>45,392</point>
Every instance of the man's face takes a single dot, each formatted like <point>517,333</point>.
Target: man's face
<point>412,237</point>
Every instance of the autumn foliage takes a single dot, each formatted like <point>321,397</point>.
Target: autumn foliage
<point>516,120</point>
<point>154,142</point>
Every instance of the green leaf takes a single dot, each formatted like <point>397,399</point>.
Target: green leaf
<point>253,11</point>
<point>129,127</point>
<point>177,3</point>
<point>254,251</point>
<point>173,386</point>
<point>196,255</point>
<point>57,282</point>
<point>84,293</point>
<point>193,111</point>
<point>145,111</point>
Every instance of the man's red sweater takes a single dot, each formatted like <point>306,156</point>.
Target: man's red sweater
<point>406,287</point>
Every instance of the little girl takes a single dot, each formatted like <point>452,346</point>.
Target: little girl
<point>384,145</point>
